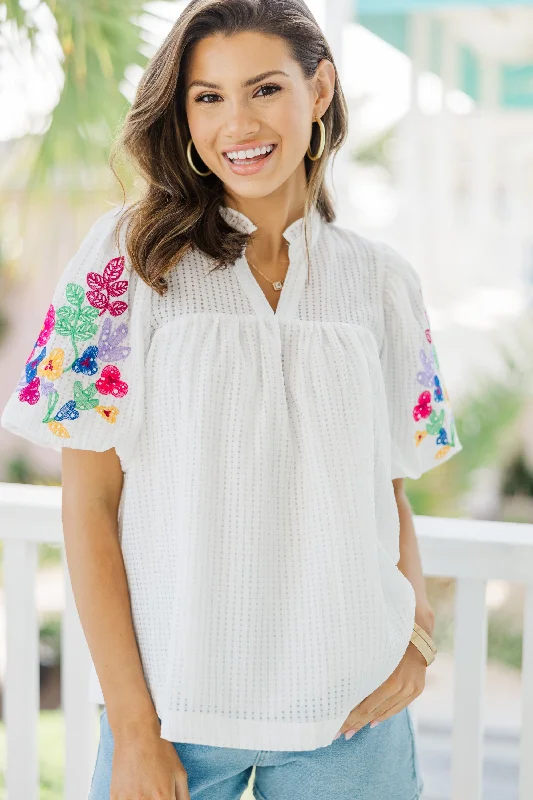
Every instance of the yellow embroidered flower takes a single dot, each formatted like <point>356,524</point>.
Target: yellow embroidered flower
<point>58,429</point>
<point>109,413</point>
<point>419,435</point>
<point>51,367</point>
<point>442,452</point>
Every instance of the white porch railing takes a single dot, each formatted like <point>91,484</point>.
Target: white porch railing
<point>470,551</point>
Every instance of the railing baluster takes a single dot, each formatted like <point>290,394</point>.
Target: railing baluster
<point>526,739</point>
<point>470,656</point>
<point>21,697</point>
<point>472,551</point>
<point>79,714</point>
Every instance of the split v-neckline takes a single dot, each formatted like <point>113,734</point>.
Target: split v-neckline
<point>293,285</point>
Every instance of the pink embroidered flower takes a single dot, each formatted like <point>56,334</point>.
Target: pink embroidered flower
<point>106,286</point>
<point>45,332</point>
<point>48,327</point>
<point>109,382</point>
<point>423,407</point>
<point>30,393</point>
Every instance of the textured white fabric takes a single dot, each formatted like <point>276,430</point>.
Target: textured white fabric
<point>258,522</point>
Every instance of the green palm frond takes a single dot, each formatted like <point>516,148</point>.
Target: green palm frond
<point>99,40</point>
<point>378,151</point>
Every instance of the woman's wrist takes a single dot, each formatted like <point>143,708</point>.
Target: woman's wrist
<point>425,617</point>
<point>138,718</point>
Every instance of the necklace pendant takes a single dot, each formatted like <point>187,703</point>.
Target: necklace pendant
<point>277,285</point>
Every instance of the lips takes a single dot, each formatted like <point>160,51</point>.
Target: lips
<point>249,166</point>
<point>245,149</point>
<point>249,160</point>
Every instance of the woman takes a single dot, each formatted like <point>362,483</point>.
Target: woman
<point>238,387</point>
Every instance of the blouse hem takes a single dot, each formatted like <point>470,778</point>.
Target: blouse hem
<point>197,728</point>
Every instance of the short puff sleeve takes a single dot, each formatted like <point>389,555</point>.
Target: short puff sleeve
<point>82,384</point>
<point>422,425</point>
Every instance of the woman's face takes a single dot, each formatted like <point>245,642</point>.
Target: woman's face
<point>233,105</point>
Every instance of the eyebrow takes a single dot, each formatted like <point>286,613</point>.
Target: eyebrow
<point>249,82</point>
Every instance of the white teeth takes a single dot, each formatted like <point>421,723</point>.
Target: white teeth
<point>241,155</point>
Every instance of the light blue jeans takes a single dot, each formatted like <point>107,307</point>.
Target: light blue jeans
<point>378,763</point>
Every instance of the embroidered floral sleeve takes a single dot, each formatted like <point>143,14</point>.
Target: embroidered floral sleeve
<point>81,384</point>
<point>422,423</point>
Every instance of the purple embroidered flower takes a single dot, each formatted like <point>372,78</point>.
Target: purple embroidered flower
<point>427,374</point>
<point>109,347</point>
<point>47,387</point>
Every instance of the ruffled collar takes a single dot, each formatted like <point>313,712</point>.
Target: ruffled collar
<point>294,232</point>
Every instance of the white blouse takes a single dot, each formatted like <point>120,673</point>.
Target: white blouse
<point>258,522</point>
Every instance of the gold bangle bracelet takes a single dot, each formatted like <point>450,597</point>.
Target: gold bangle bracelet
<point>425,635</point>
<point>421,645</point>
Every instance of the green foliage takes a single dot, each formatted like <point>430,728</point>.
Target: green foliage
<point>50,634</point>
<point>19,469</point>
<point>99,39</point>
<point>504,644</point>
<point>50,555</point>
<point>378,151</point>
<point>504,629</point>
<point>51,748</point>
<point>518,477</point>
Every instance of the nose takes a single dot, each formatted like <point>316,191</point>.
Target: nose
<point>240,121</point>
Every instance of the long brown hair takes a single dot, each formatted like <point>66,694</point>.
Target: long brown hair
<point>179,209</point>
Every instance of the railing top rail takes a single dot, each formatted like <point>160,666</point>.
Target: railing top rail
<point>30,513</point>
<point>449,546</point>
<point>475,530</point>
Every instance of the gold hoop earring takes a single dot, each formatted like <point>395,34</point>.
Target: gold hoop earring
<point>189,159</point>
<point>322,141</point>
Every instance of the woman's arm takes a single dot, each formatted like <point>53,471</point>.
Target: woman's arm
<point>144,764</point>
<point>410,563</point>
<point>408,679</point>
<point>92,485</point>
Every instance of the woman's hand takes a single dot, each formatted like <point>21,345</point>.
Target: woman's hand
<point>401,687</point>
<point>147,766</point>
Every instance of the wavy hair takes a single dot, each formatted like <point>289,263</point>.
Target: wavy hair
<point>179,209</point>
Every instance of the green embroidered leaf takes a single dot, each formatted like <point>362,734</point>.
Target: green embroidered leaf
<point>84,397</point>
<point>85,329</point>
<point>434,423</point>
<point>452,432</point>
<point>89,313</point>
<point>53,397</point>
<point>75,294</point>
<point>65,320</point>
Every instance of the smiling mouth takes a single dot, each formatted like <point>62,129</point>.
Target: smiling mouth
<point>251,156</point>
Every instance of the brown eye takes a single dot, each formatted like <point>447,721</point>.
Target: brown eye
<point>202,96</point>
<point>269,86</point>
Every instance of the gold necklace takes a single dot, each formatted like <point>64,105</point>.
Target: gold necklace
<point>278,285</point>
